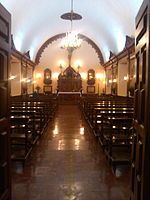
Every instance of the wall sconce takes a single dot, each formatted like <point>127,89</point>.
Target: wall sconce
<point>110,81</point>
<point>23,80</point>
<point>12,77</point>
<point>114,80</point>
<point>28,80</point>
<point>77,64</point>
<point>125,78</point>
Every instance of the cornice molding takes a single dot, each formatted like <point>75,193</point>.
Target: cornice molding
<point>22,57</point>
<point>124,53</point>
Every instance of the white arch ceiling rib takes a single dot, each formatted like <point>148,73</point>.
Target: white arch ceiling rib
<point>106,22</point>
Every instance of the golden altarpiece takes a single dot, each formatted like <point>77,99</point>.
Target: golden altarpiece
<point>69,81</point>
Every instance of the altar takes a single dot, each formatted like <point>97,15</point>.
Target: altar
<point>69,81</point>
<point>69,97</point>
<point>72,93</point>
<point>69,86</point>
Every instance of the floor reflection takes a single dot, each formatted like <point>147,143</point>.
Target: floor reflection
<point>56,130</point>
<point>68,164</point>
<point>82,131</point>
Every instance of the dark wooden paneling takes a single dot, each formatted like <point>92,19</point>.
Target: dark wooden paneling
<point>140,176</point>
<point>4,29</point>
<point>5,184</point>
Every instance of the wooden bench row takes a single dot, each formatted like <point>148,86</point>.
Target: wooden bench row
<point>111,122</point>
<point>28,122</point>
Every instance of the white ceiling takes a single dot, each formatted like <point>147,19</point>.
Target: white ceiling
<point>106,22</point>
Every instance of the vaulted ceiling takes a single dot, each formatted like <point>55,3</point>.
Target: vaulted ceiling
<point>105,22</point>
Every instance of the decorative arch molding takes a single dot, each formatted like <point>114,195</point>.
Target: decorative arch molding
<point>61,35</point>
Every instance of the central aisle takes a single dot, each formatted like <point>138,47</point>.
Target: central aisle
<point>68,164</point>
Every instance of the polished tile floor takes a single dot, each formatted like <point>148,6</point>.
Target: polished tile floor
<point>68,164</point>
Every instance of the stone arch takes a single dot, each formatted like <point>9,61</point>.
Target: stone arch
<point>58,36</point>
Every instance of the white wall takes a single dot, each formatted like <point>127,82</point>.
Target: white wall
<point>15,83</point>
<point>122,84</point>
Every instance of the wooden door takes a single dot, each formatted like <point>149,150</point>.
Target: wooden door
<point>5,41</point>
<point>140,175</point>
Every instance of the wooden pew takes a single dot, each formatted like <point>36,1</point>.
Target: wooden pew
<point>20,137</point>
<point>111,122</point>
<point>29,119</point>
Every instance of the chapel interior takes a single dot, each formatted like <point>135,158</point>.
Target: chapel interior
<point>75,100</point>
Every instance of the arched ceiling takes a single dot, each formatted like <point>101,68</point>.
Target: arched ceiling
<point>105,22</point>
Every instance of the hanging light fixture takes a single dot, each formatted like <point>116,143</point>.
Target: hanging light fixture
<point>71,40</point>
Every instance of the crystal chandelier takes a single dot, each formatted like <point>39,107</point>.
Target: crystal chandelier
<point>71,40</point>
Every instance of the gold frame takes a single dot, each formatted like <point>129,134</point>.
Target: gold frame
<point>47,89</point>
<point>91,89</point>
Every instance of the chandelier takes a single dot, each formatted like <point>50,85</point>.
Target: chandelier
<point>71,41</point>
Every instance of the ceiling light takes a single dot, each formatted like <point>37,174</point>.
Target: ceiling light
<point>71,40</point>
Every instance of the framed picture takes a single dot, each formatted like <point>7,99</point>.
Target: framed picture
<point>91,89</point>
<point>91,77</point>
<point>47,89</point>
<point>47,76</point>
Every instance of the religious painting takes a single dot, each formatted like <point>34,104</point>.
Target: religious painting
<point>91,77</point>
<point>47,76</point>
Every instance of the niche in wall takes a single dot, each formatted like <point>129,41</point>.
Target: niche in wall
<point>47,88</point>
<point>47,76</point>
<point>91,81</point>
<point>91,77</point>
